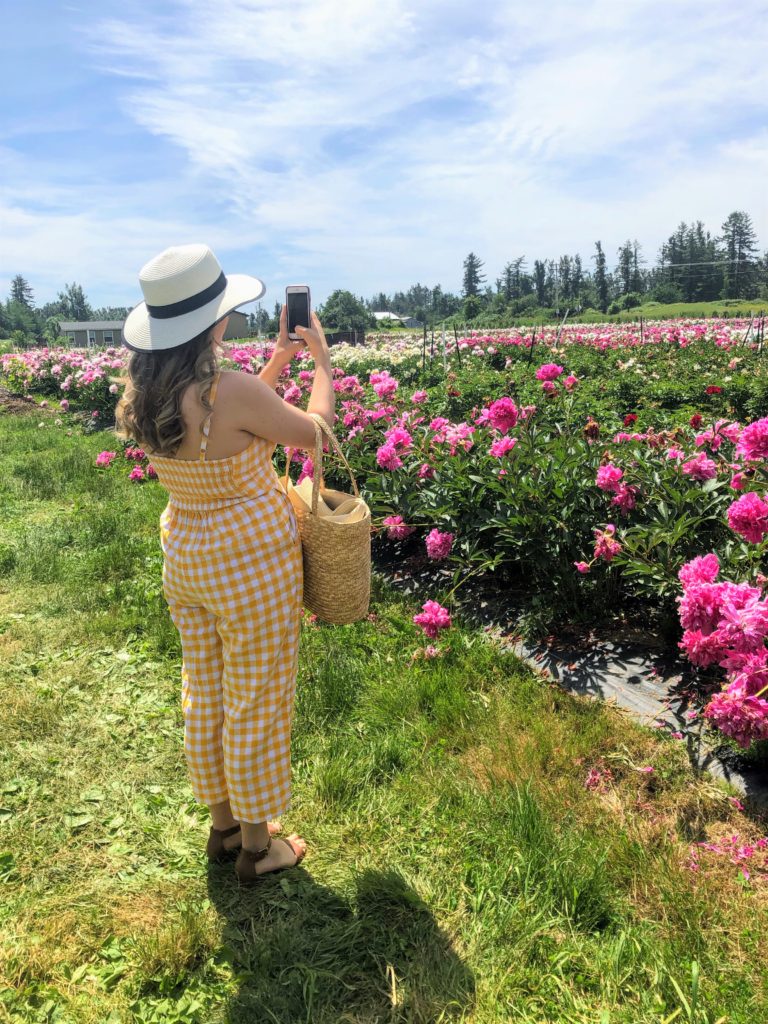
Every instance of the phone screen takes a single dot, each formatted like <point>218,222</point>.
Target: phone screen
<point>298,310</point>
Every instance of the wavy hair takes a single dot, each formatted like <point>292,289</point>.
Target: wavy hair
<point>149,411</point>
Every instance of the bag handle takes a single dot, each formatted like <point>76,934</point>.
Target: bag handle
<point>321,427</point>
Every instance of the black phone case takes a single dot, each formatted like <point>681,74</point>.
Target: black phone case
<point>296,337</point>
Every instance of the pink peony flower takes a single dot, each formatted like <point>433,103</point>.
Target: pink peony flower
<point>137,473</point>
<point>307,469</point>
<point>432,619</point>
<point>608,477</point>
<point>502,414</point>
<point>397,529</point>
<point>292,394</point>
<point>736,714</point>
<point>399,438</point>
<point>700,468</point>
<point>570,382</point>
<point>151,471</point>
<point>501,446</point>
<point>64,404</point>
<point>419,397</point>
<point>549,387</point>
<point>748,516</point>
<point>753,441</point>
<point>426,472</point>
<point>702,569</point>
<point>113,389</point>
<point>549,371</point>
<point>383,383</point>
<point>438,544</point>
<point>606,547</point>
<point>625,498</point>
<point>105,458</point>
<point>702,649</point>
<point>387,457</point>
<point>739,481</point>
<point>583,567</point>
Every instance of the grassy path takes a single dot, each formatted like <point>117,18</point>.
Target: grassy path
<point>458,867</point>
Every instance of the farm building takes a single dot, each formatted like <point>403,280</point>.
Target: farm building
<point>404,321</point>
<point>98,333</point>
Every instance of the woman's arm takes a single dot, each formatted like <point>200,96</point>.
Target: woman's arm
<point>270,372</point>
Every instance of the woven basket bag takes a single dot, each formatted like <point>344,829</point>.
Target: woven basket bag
<point>337,555</point>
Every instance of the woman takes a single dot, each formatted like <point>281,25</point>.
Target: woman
<point>232,569</point>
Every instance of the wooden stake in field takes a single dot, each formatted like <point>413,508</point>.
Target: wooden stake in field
<point>458,350</point>
<point>749,329</point>
<point>562,325</point>
<point>424,352</point>
<point>445,356</point>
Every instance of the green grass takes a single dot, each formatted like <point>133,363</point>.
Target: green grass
<point>458,869</point>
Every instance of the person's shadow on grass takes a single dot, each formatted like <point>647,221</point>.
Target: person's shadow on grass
<point>303,953</point>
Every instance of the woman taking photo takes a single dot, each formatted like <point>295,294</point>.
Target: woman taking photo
<point>232,565</point>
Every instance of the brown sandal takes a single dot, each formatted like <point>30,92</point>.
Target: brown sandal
<point>216,850</point>
<point>247,859</point>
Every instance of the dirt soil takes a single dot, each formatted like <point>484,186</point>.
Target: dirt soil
<point>14,403</point>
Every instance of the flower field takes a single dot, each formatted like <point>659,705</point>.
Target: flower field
<point>483,846</point>
<point>604,473</point>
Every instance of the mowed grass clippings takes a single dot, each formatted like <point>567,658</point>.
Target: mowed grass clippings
<point>458,867</point>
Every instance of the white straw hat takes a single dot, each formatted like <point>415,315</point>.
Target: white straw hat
<point>185,292</point>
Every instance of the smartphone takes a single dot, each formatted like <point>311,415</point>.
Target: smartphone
<point>297,301</point>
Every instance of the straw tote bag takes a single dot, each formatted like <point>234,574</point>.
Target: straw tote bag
<point>335,530</point>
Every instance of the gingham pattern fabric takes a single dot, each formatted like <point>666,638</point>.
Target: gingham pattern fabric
<point>232,576</point>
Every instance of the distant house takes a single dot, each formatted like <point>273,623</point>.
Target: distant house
<point>91,333</point>
<point>404,321</point>
<point>106,333</point>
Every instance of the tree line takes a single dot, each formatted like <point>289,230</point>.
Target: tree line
<point>692,265</point>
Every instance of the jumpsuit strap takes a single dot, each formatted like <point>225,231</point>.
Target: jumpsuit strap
<point>207,426</point>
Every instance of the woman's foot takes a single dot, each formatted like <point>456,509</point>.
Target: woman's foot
<point>276,856</point>
<point>222,842</point>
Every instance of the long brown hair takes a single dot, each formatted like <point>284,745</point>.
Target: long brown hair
<point>149,412</point>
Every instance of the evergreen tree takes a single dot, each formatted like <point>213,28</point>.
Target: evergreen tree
<point>740,243</point>
<point>111,313</point>
<point>624,268</point>
<point>73,303</point>
<point>473,277</point>
<point>578,279</point>
<point>601,281</point>
<point>21,291</point>
<point>637,261</point>
<point>540,281</point>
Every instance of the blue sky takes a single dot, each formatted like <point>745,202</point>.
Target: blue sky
<point>369,145</point>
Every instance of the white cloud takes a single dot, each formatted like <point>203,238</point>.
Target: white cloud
<point>551,125</point>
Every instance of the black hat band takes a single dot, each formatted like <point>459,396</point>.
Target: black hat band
<point>192,303</point>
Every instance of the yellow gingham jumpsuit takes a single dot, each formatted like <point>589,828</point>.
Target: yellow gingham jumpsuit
<point>232,576</point>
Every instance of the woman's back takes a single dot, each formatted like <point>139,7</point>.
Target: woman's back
<point>225,438</point>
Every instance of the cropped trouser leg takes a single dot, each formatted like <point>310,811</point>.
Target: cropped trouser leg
<point>238,690</point>
<point>201,700</point>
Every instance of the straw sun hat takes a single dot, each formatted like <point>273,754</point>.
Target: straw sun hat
<point>185,292</point>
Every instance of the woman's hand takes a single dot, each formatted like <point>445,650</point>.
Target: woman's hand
<point>314,337</point>
<point>285,349</point>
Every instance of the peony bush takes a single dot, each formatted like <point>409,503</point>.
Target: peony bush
<point>586,470</point>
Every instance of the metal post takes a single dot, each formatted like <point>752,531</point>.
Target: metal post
<point>458,350</point>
